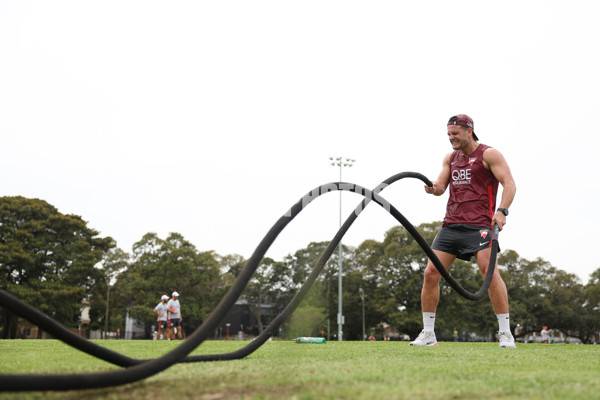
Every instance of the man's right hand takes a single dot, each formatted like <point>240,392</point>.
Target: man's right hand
<point>431,189</point>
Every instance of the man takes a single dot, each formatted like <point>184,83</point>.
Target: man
<point>174,309</point>
<point>161,311</point>
<point>546,334</point>
<point>473,172</point>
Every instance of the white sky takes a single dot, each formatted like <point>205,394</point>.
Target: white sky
<point>212,118</point>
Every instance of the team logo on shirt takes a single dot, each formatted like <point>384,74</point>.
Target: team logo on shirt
<point>483,233</point>
<point>461,176</point>
<point>472,160</point>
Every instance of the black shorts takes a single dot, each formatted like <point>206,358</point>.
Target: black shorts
<point>463,240</point>
<point>175,322</point>
<point>162,325</point>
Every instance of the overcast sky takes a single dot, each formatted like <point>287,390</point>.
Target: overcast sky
<point>212,118</point>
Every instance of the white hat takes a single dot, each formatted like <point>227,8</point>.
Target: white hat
<point>175,294</point>
<point>164,297</point>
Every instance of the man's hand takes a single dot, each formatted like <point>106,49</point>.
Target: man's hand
<point>500,219</point>
<point>435,189</point>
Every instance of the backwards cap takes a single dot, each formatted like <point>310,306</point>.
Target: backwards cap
<point>463,120</point>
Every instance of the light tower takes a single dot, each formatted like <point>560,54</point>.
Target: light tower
<point>340,162</point>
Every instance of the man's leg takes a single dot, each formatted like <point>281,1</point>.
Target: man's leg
<point>179,329</point>
<point>430,293</point>
<point>430,297</point>
<point>497,291</point>
<point>498,297</point>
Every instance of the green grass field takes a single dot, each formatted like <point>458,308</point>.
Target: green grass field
<point>349,370</point>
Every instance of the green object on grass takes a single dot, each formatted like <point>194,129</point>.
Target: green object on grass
<point>306,339</point>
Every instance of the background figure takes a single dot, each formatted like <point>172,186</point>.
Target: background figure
<point>161,311</point>
<point>546,334</point>
<point>174,310</point>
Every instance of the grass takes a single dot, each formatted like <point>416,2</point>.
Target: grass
<point>348,370</point>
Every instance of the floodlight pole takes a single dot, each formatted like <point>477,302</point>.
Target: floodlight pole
<point>340,162</point>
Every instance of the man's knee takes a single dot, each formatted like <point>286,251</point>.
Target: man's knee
<point>431,275</point>
<point>484,268</point>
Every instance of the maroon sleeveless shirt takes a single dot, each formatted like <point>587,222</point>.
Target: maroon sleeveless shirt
<point>472,190</point>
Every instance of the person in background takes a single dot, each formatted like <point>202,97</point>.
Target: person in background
<point>546,334</point>
<point>161,311</point>
<point>174,309</point>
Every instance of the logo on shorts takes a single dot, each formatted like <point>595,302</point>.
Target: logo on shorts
<point>483,233</point>
<point>472,160</point>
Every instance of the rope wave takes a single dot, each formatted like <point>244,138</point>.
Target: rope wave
<point>136,369</point>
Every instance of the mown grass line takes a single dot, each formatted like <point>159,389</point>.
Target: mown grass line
<point>349,370</point>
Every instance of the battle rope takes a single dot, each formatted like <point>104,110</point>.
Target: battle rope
<point>272,328</point>
<point>142,369</point>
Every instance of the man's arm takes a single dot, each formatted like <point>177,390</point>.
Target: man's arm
<point>169,307</point>
<point>439,186</point>
<point>495,162</point>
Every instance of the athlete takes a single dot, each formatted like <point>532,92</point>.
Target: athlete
<point>174,310</point>
<point>161,311</point>
<point>472,171</point>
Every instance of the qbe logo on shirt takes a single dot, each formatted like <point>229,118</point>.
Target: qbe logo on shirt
<point>461,176</point>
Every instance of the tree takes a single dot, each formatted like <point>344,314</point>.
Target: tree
<point>267,286</point>
<point>163,266</point>
<point>541,294</point>
<point>591,305</point>
<point>320,299</point>
<point>323,295</point>
<point>392,278</point>
<point>47,259</point>
<point>368,274</point>
<point>115,262</point>
<point>306,320</point>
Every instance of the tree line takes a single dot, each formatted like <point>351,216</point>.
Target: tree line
<point>54,262</point>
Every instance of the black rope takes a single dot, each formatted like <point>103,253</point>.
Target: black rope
<point>273,327</point>
<point>140,369</point>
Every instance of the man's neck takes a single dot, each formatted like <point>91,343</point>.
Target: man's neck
<point>471,147</point>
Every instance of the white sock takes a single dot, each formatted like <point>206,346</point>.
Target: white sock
<point>428,321</point>
<point>503,322</point>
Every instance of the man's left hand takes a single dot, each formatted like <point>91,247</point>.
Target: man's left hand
<point>500,219</point>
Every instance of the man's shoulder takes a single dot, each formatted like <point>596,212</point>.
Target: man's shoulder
<point>449,156</point>
<point>490,152</point>
<point>487,148</point>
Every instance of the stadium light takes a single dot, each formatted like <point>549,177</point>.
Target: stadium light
<point>340,162</point>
